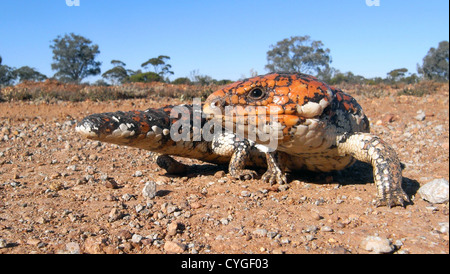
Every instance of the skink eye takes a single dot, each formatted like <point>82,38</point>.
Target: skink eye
<point>256,94</point>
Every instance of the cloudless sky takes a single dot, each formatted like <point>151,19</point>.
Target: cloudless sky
<point>226,39</point>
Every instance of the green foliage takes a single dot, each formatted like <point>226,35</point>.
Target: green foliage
<point>222,82</point>
<point>298,54</point>
<point>118,74</point>
<point>7,75</point>
<point>159,65</point>
<point>420,89</point>
<point>436,63</point>
<point>145,77</point>
<point>26,73</point>
<point>396,74</point>
<point>74,58</point>
<point>182,81</point>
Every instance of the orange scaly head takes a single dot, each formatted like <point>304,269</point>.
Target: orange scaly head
<point>291,98</point>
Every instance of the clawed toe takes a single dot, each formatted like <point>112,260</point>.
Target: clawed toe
<point>274,178</point>
<point>396,198</point>
<point>244,175</point>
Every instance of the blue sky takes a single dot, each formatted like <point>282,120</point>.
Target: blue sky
<point>226,39</point>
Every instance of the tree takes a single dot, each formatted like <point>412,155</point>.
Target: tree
<point>298,54</point>
<point>74,58</point>
<point>118,74</point>
<point>26,73</point>
<point>397,74</point>
<point>159,65</point>
<point>7,74</point>
<point>182,81</point>
<point>145,77</point>
<point>436,63</point>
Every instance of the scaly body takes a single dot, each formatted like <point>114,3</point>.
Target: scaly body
<point>318,126</point>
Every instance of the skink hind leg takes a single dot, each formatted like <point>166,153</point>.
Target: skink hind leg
<point>387,172</point>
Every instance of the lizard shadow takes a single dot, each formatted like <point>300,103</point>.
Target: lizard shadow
<point>357,174</point>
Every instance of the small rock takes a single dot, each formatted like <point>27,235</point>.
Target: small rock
<point>138,173</point>
<point>139,208</point>
<point>115,215</point>
<point>127,197</point>
<point>125,234</point>
<point>93,245</point>
<point>377,245</point>
<point>111,183</point>
<point>316,216</point>
<point>311,229</point>
<point>420,116</point>
<point>389,118</point>
<point>245,193</point>
<point>169,208</point>
<point>435,192</point>
<point>224,221</point>
<point>174,247</point>
<point>260,232</point>
<point>73,167</point>
<point>219,174</point>
<point>149,190</point>
<point>136,238</point>
<point>172,229</point>
<point>3,243</point>
<point>33,241</point>
<point>283,187</point>
<point>55,186</point>
<point>196,205</point>
<point>443,227</point>
<point>73,248</point>
<point>326,229</point>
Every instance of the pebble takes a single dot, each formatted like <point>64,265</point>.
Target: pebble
<point>219,174</point>
<point>172,229</point>
<point>149,190</point>
<point>326,229</point>
<point>136,238</point>
<point>260,232</point>
<point>115,215</point>
<point>435,192</point>
<point>420,115</point>
<point>93,245</point>
<point>124,234</point>
<point>443,227</point>
<point>3,243</point>
<point>138,173</point>
<point>73,248</point>
<point>377,245</point>
<point>174,247</point>
<point>111,183</point>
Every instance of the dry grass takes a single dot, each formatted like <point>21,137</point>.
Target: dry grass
<point>52,90</point>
